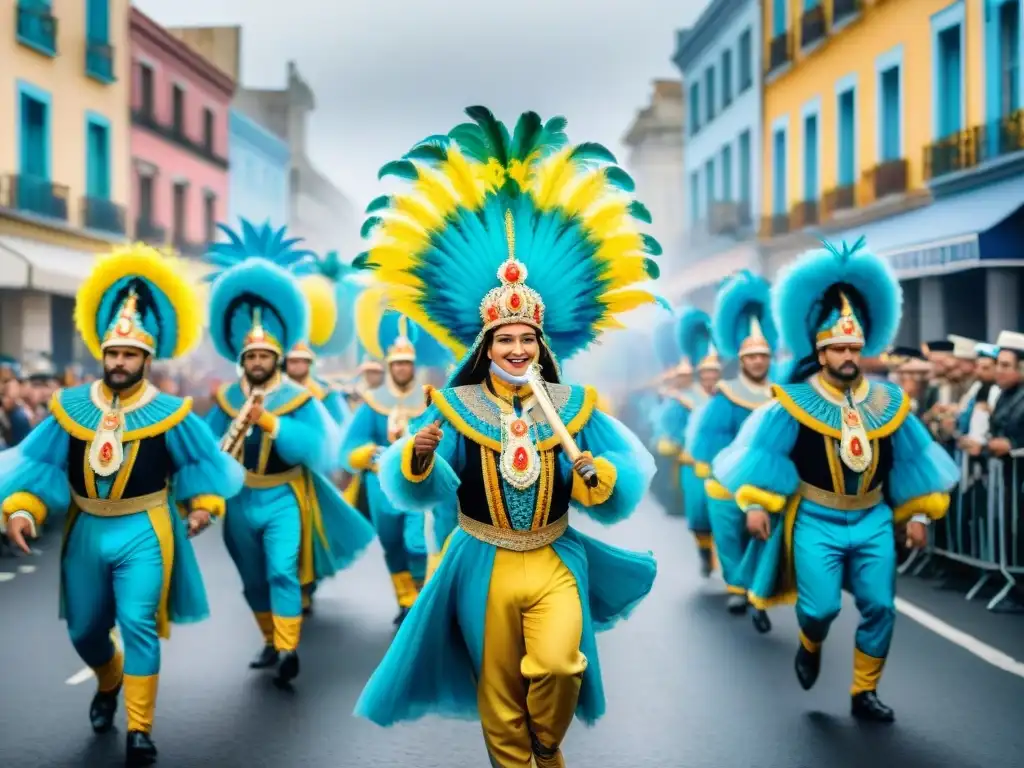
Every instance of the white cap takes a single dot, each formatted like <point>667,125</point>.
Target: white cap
<point>1011,340</point>
<point>963,348</point>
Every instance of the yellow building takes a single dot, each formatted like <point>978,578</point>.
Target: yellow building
<point>872,110</point>
<point>64,161</point>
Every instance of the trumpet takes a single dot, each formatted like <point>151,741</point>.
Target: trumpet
<point>239,428</point>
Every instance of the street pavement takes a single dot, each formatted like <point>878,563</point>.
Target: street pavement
<point>688,686</point>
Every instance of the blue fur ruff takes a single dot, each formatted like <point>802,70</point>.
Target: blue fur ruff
<point>159,315</point>
<point>666,346</point>
<point>256,284</point>
<point>801,285</point>
<point>744,296</point>
<point>693,330</point>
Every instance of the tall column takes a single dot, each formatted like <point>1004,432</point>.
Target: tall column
<point>931,309</point>
<point>1002,301</point>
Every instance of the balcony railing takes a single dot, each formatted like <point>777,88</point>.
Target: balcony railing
<point>840,199</point>
<point>951,154</point>
<point>812,26</point>
<point>37,27</point>
<point>776,224</point>
<point>1000,137</point>
<point>34,195</point>
<point>845,9</point>
<point>149,232</point>
<point>803,215</point>
<point>103,215</point>
<point>148,120</point>
<point>888,178</point>
<point>728,218</point>
<point>778,52</point>
<point>99,61</point>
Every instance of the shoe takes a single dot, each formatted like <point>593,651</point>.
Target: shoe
<point>762,623</point>
<point>140,751</point>
<point>707,563</point>
<point>402,613</point>
<point>102,710</point>
<point>265,659</point>
<point>867,706</point>
<point>288,668</point>
<point>808,667</point>
<point>736,604</point>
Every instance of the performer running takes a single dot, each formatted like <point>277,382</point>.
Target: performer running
<point>382,419</point>
<point>825,470</point>
<point>138,473</point>
<point>694,330</point>
<point>540,236</point>
<point>289,526</point>
<point>743,328</point>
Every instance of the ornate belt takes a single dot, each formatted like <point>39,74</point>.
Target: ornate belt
<point>121,507</point>
<point>842,501</point>
<point>256,480</point>
<point>511,539</point>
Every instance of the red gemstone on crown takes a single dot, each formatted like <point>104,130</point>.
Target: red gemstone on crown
<point>512,273</point>
<point>536,314</point>
<point>492,312</point>
<point>106,452</point>
<point>847,326</point>
<point>520,459</point>
<point>855,447</point>
<point>514,301</point>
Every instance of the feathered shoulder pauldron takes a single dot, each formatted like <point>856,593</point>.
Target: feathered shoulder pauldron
<point>80,410</point>
<point>286,397</point>
<point>739,392</point>
<point>883,406</point>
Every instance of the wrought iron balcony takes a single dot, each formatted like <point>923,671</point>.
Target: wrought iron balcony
<point>728,218</point>
<point>779,52</point>
<point>99,61</point>
<point>776,224</point>
<point>37,27</point>
<point>175,134</point>
<point>149,232</point>
<point>103,215</point>
<point>804,214</point>
<point>951,154</point>
<point>34,195</point>
<point>840,199</point>
<point>1000,137</point>
<point>812,26</point>
<point>845,9</point>
<point>888,178</point>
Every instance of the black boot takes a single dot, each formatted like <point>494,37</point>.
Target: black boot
<point>761,621</point>
<point>265,659</point>
<point>867,706</point>
<point>736,604</point>
<point>400,617</point>
<point>808,667</point>
<point>288,668</point>
<point>707,562</point>
<point>102,710</point>
<point>141,750</point>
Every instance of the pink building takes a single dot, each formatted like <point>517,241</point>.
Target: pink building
<point>179,140</point>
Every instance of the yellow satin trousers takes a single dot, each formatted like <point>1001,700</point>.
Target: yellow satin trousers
<point>532,666</point>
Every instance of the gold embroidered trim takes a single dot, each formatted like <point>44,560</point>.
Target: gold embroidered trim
<point>120,507</point>
<point>841,501</point>
<point>254,480</point>
<point>513,540</point>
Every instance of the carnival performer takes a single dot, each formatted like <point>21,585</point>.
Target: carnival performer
<point>743,328</point>
<point>825,471</point>
<point>671,423</point>
<point>542,239</point>
<point>695,340</point>
<point>289,527</point>
<point>382,419</point>
<point>138,475</point>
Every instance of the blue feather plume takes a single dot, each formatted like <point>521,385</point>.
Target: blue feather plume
<point>744,296</point>
<point>666,346</point>
<point>693,334</point>
<point>265,242</point>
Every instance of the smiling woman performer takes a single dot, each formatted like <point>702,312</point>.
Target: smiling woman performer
<point>510,250</point>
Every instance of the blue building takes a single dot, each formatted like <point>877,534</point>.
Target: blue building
<point>719,58</point>
<point>259,172</point>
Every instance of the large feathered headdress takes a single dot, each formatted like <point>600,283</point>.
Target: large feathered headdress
<point>666,346</point>
<point>742,323</point>
<point>502,228</point>
<point>331,290</point>
<point>838,294</point>
<point>693,329</point>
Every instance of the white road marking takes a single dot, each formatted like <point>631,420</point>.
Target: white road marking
<point>26,569</point>
<point>86,673</point>
<point>969,643</point>
<point>4,576</point>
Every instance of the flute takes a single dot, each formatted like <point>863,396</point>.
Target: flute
<point>240,425</point>
<point>572,450</point>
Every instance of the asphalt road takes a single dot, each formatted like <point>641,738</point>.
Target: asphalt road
<point>688,685</point>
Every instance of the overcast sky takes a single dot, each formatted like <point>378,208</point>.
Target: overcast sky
<point>387,73</point>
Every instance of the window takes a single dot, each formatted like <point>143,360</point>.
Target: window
<point>780,200</point>
<point>208,129</point>
<point>811,191</point>
<point>1009,57</point>
<point>210,216</point>
<point>178,109</point>
<point>97,161</point>
<point>97,21</point>
<point>847,138</point>
<point>779,17</point>
<point>709,184</point>
<point>746,60</point>
<point>34,191</point>
<point>744,149</point>
<point>950,83</point>
<point>889,85</point>
<point>178,212</point>
<point>726,77</point>
<point>694,198</point>
<point>694,91</point>
<point>727,173</point>
<point>146,89</point>
<point>709,94</point>
<point>145,199</point>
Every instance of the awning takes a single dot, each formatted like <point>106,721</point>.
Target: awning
<point>33,265</point>
<point>981,227</point>
<point>710,270</point>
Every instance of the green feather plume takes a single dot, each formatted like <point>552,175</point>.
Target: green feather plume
<point>379,204</point>
<point>369,225</point>
<point>651,246</point>
<point>637,210</point>
<point>403,169</point>
<point>619,178</point>
<point>592,152</point>
<point>494,132</point>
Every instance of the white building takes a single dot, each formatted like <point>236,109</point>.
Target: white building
<point>719,58</point>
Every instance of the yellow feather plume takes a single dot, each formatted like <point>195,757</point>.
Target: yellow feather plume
<point>625,272</point>
<point>423,215</point>
<point>463,179</point>
<point>402,233</point>
<point>163,271</point>
<point>623,301</point>
<point>368,310</point>
<point>549,178</point>
<point>620,246</point>
<point>323,308</point>
<point>584,193</point>
<point>607,218</point>
<point>432,187</point>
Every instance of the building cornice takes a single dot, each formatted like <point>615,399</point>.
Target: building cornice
<point>693,41</point>
<point>143,26</point>
<point>267,143</point>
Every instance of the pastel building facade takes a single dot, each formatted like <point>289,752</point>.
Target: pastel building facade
<point>259,174</point>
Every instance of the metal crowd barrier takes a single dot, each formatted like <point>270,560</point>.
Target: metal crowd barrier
<point>982,529</point>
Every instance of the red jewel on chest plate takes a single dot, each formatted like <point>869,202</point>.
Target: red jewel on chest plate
<point>518,428</point>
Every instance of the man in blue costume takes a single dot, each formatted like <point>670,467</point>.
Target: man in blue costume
<point>670,423</point>
<point>298,366</point>
<point>382,419</point>
<point>138,474</point>
<point>289,527</point>
<point>825,471</point>
<point>743,328</point>
<point>505,628</point>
